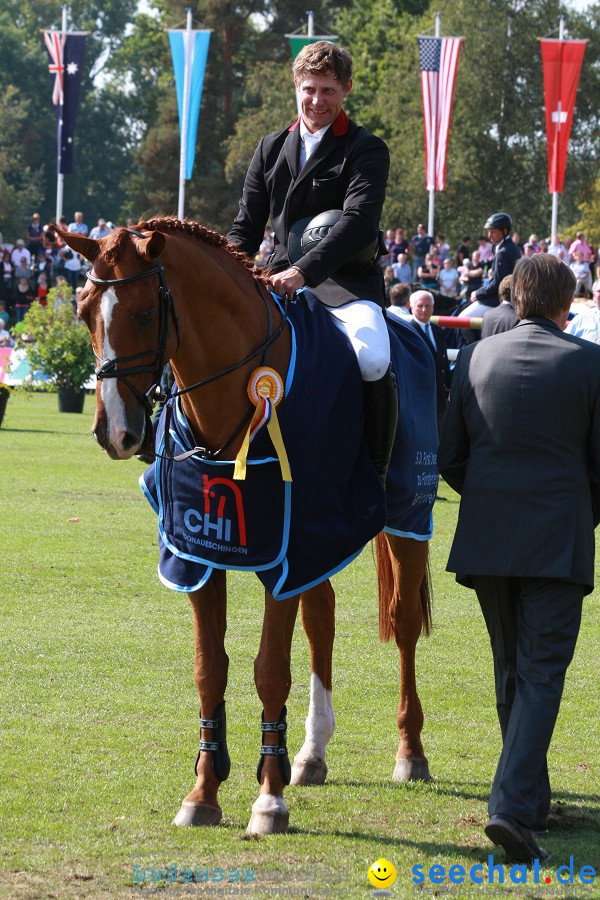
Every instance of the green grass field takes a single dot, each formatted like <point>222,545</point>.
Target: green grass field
<point>99,708</point>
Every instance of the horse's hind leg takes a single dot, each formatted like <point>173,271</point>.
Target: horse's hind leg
<point>404,611</point>
<point>317,607</point>
<point>273,679</point>
<point>209,609</point>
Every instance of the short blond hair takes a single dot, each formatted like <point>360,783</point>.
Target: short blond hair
<point>324,58</point>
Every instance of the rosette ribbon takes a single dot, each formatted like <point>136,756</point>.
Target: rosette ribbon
<point>265,390</point>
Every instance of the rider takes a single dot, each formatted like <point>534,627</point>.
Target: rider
<point>324,162</point>
<point>506,255</point>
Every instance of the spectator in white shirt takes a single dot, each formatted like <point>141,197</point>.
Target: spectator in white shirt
<point>448,279</point>
<point>402,269</point>
<point>587,324</point>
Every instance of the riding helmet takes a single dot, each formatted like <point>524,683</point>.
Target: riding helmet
<point>499,220</point>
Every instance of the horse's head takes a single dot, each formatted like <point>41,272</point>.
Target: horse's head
<point>127,309</point>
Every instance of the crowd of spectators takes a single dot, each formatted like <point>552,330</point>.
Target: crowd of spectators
<point>428,262</point>
<point>37,261</point>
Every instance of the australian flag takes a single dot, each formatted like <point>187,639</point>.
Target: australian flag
<point>66,51</point>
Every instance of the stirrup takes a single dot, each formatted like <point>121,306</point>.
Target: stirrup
<point>279,750</point>
<point>218,746</point>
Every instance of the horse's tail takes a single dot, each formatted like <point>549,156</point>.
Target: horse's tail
<point>386,588</point>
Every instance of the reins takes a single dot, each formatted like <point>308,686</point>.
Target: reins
<point>108,368</point>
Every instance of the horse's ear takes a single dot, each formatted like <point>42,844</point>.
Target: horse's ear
<point>150,247</point>
<point>87,247</point>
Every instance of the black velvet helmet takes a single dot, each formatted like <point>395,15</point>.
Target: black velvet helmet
<point>306,233</point>
<point>500,220</point>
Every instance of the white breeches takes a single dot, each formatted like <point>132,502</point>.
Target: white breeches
<point>363,323</point>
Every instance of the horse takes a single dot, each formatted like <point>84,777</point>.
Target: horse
<point>175,290</point>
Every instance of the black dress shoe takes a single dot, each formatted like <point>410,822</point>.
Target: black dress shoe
<point>518,841</point>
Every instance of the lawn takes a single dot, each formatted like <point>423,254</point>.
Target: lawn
<point>99,710</point>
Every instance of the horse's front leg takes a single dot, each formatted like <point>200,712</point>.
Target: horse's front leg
<point>209,609</point>
<point>404,612</point>
<point>317,610</point>
<point>273,679</point>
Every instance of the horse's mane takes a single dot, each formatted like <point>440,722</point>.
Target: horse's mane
<point>172,223</point>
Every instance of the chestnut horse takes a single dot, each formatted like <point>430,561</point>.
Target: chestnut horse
<point>142,310</point>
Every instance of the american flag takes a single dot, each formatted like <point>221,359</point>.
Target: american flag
<point>66,51</point>
<point>438,62</point>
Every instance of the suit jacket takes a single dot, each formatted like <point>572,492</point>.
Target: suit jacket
<point>521,445</point>
<point>505,259</point>
<point>502,318</point>
<point>440,358</point>
<point>348,171</point>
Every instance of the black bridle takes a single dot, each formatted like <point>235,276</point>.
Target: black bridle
<point>113,368</point>
<point>108,367</point>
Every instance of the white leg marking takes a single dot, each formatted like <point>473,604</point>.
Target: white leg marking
<point>269,803</point>
<point>115,408</point>
<point>320,722</point>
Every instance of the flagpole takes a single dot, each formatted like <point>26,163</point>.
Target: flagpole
<point>433,143</point>
<point>60,178</point>
<point>187,81</point>
<point>554,225</point>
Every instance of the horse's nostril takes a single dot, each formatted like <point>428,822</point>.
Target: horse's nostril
<point>129,440</point>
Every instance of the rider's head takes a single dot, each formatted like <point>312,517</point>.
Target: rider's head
<point>498,225</point>
<point>324,58</point>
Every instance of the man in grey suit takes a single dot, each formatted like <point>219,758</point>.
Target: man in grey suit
<point>521,445</point>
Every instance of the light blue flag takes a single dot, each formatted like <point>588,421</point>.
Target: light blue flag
<point>189,50</point>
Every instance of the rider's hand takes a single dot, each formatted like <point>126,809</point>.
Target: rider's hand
<point>286,283</point>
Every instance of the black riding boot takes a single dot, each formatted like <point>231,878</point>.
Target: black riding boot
<point>380,408</point>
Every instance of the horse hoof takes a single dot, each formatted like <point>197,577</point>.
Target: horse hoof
<point>198,814</point>
<point>269,816</point>
<point>411,769</point>
<point>309,771</point>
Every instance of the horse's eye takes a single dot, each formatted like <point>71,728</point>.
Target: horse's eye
<point>146,317</point>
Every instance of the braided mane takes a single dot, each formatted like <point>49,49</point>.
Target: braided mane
<point>172,223</point>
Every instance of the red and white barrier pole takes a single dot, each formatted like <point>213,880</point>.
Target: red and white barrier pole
<point>456,322</point>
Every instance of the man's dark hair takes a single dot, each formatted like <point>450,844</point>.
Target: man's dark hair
<point>504,288</point>
<point>399,293</point>
<point>542,285</point>
<point>324,58</point>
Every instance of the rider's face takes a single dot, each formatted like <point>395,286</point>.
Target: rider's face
<point>321,99</point>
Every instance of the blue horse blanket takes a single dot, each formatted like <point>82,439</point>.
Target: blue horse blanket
<point>296,534</point>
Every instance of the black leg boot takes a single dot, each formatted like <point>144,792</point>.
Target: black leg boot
<point>380,409</point>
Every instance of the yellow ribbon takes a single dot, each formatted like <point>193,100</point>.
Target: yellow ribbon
<point>264,384</point>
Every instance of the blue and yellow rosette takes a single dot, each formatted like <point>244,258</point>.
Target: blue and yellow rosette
<point>265,390</point>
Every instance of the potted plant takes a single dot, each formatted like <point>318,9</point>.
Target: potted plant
<point>58,346</point>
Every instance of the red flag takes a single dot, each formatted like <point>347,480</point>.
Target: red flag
<point>562,64</point>
<point>438,61</point>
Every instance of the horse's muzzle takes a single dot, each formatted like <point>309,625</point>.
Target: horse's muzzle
<point>122,443</point>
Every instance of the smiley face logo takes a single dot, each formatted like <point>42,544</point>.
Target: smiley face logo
<point>381,873</point>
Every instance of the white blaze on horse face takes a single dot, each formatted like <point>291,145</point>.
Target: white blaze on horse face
<point>116,413</point>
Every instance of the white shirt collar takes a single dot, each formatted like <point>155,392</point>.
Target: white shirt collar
<point>309,142</point>
<point>313,137</point>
